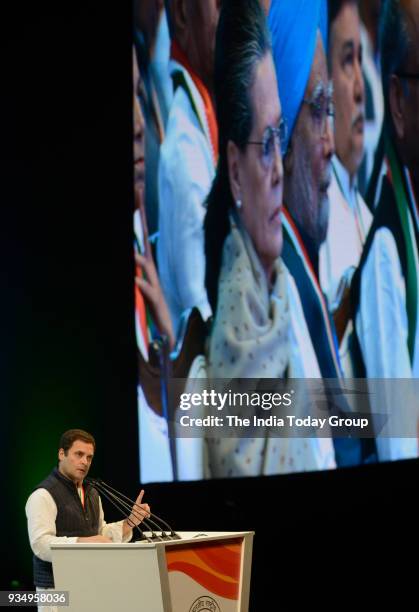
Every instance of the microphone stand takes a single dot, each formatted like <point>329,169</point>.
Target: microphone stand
<point>114,503</point>
<point>173,534</point>
<point>129,504</point>
<point>139,514</point>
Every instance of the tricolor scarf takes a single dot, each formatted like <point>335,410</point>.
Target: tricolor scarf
<point>321,329</point>
<point>407,210</point>
<point>142,316</point>
<point>319,323</point>
<point>179,80</point>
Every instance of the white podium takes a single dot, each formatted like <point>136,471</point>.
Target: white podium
<point>199,573</point>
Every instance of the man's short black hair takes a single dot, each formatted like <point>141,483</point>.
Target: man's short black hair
<point>72,435</point>
<point>334,7</point>
<point>394,42</point>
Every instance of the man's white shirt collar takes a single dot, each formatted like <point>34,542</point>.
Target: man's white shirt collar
<point>349,190</point>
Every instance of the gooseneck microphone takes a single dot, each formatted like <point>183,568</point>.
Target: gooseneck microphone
<point>173,534</point>
<point>93,483</point>
<point>124,504</point>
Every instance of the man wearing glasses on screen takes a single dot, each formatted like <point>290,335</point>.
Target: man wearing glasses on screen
<point>299,40</point>
<point>386,285</point>
<point>299,31</point>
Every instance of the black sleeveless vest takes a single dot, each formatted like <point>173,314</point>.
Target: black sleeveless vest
<point>72,519</point>
<point>385,216</point>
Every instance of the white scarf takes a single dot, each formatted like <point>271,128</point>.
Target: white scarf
<point>250,333</point>
<point>250,339</point>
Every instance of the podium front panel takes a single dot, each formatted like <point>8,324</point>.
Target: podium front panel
<point>109,578</point>
<point>197,573</point>
<point>206,576</point>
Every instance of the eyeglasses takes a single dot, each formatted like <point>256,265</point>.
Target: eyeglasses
<point>272,137</point>
<point>322,107</point>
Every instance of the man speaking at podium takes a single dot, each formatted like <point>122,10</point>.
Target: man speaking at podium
<point>62,509</point>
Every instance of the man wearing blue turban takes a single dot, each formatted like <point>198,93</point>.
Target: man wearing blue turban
<point>299,41</point>
<point>295,26</point>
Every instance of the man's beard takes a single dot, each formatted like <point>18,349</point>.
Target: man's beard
<point>311,201</point>
<point>323,216</point>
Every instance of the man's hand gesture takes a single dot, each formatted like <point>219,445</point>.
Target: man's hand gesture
<point>139,512</point>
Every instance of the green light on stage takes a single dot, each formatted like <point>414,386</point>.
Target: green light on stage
<point>15,584</point>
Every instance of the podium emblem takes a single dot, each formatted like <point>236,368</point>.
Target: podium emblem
<point>205,604</point>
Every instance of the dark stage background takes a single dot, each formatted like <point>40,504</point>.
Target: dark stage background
<point>68,355</point>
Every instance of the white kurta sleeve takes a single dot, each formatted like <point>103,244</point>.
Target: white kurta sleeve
<point>41,512</point>
<point>113,531</point>
<point>382,328</point>
<point>188,235</point>
<point>185,175</point>
<point>381,321</point>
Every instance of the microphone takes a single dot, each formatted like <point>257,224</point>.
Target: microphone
<point>115,504</point>
<point>129,504</point>
<point>173,534</point>
<point>130,510</point>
